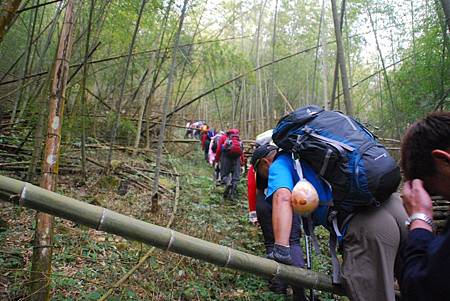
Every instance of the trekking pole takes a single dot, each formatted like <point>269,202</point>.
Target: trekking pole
<point>307,229</point>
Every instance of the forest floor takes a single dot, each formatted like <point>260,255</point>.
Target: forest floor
<point>86,262</point>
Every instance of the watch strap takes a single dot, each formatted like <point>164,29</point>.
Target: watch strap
<point>419,216</point>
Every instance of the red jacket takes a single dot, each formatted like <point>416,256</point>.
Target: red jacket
<point>251,189</point>
<point>221,142</point>
<point>204,137</point>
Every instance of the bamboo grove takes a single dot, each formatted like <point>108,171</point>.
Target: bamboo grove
<point>127,74</point>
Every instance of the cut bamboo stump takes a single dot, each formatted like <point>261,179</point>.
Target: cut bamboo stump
<point>28,195</point>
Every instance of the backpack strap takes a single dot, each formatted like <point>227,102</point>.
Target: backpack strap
<point>308,228</point>
<point>336,266</point>
<point>298,167</point>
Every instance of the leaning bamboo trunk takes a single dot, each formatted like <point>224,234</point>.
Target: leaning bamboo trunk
<point>341,59</point>
<point>43,240</point>
<point>165,108</point>
<point>7,14</point>
<point>122,87</point>
<point>336,66</point>
<point>446,8</point>
<point>99,218</point>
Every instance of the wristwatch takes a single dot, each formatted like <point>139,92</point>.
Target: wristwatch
<point>419,216</point>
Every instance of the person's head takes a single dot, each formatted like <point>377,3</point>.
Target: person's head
<point>425,153</point>
<point>262,158</point>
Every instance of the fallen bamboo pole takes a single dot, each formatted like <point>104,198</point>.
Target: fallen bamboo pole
<point>30,196</point>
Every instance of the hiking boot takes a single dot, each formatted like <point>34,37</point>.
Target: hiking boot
<point>226,193</point>
<point>277,286</point>
<point>281,254</point>
<point>233,192</point>
<point>298,294</point>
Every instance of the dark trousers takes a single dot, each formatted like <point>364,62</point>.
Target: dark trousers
<point>230,165</point>
<point>207,142</point>
<point>264,213</point>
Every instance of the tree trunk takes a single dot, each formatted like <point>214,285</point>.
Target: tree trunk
<point>313,87</point>
<point>395,116</point>
<point>38,139</point>
<point>162,130</point>
<point>122,87</point>
<point>43,239</point>
<point>272,85</point>
<point>336,65</point>
<point>7,15</point>
<point>141,113</point>
<point>348,44</point>
<point>325,96</point>
<point>83,91</point>
<point>28,52</point>
<point>157,68</point>
<point>341,59</point>
<point>259,92</point>
<point>211,76</point>
<point>446,8</point>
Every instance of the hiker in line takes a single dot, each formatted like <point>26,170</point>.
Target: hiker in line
<point>261,212</point>
<point>189,130</point>
<point>205,140</point>
<point>230,154</point>
<point>263,147</point>
<point>425,162</point>
<point>369,230</point>
<point>212,156</point>
<point>196,127</point>
<point>210,134</point>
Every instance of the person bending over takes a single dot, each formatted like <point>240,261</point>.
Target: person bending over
<point>261,212</point>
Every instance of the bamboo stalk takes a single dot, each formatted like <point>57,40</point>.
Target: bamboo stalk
<point>8,12</point>
<point>30,196</point>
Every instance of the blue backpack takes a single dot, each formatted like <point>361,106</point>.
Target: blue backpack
<point>344,153</point>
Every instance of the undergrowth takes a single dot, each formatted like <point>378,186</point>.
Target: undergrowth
<point>86,262</point>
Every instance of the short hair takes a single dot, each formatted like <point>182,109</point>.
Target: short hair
<point>421,138</point>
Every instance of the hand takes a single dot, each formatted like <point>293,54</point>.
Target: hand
<point>416,199</point>
<point>253,218</point>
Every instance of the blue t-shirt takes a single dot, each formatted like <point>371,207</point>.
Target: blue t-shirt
<point>282,174</point>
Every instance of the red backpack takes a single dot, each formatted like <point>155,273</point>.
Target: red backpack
<point>233,146</point>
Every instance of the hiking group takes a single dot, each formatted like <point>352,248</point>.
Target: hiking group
<point>324,168</point>
<point>224,151</point>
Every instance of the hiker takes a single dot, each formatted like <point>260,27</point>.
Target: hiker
<point>230,154</point>
<point>262,148</point>
<point>367,224</point>
<point>425,154</point>
<point>261,212</point>
<point>204,139</point>
<point>212,155</point>
<point>196,127</point>
<point>207,134</point>
<point>189,130</point>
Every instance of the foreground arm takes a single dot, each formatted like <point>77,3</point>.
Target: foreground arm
<point>251,195</point>
<point>282,216</point>
<point>415,252</point>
